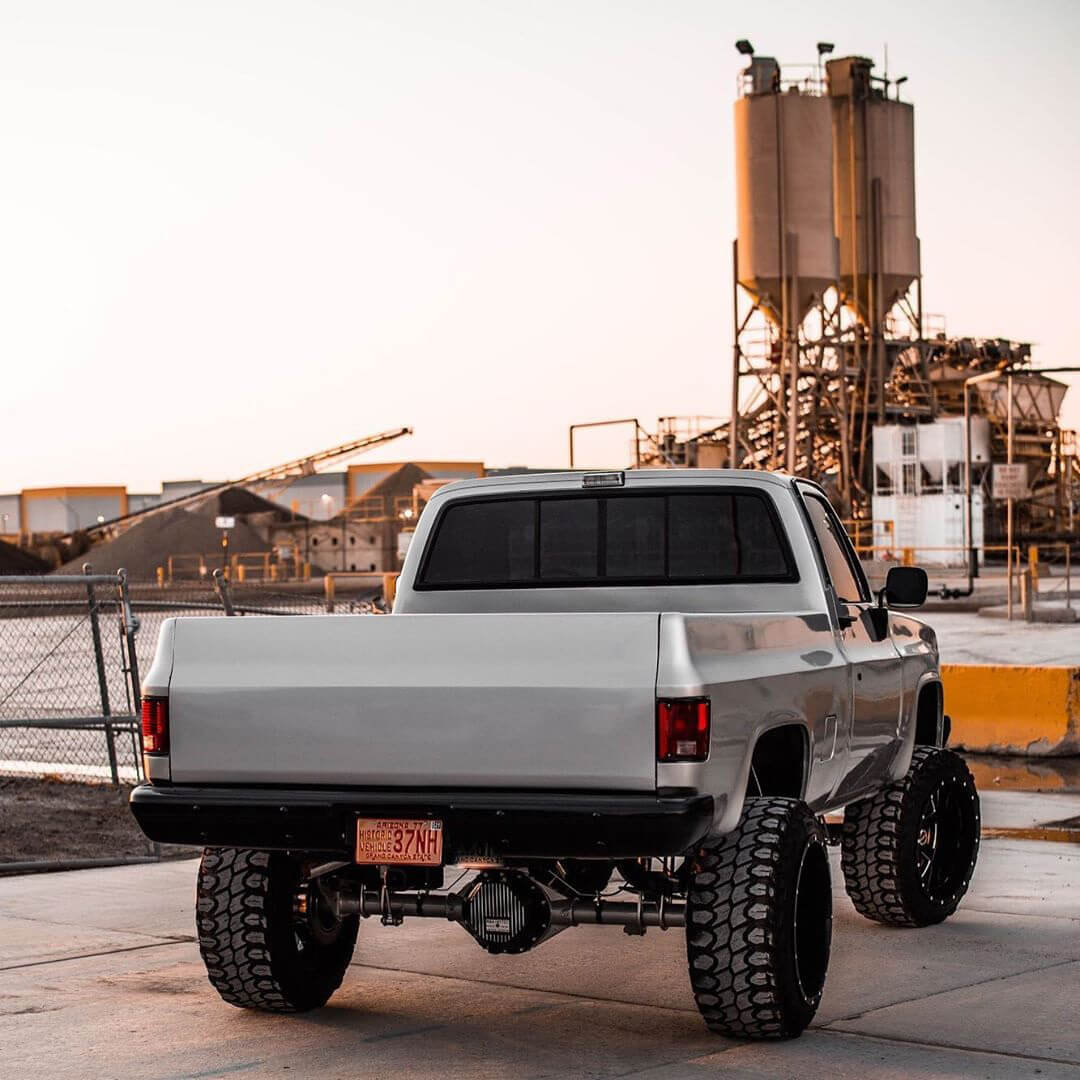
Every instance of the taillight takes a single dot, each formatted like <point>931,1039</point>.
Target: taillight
<point>155,725</point>
<point>682,729</point>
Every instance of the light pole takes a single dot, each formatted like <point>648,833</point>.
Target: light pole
<point>969,532</point>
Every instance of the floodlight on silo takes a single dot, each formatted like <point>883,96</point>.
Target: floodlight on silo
<point>824,47</point>
<point>744,47</point>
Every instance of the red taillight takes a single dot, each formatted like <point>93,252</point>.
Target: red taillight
<point>682,729</point>
<point>155,725</point>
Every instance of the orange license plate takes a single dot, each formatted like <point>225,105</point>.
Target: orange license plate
<point>396,842</point>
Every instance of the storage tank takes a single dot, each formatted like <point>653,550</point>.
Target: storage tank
<point>783,184</point>
<point>874,175</point>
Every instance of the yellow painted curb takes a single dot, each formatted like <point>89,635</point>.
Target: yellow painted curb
<point>1005,709</point>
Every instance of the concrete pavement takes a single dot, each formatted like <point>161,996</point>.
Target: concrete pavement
<point>968,638</point>
<point>99,976</point>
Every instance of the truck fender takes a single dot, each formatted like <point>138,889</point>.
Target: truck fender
<point>909,723</point>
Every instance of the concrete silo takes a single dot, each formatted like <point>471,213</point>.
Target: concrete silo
<point>786,413</point>
<point>874,189</point>
<point>784,195</point>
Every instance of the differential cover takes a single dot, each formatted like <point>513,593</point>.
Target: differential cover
<point>506,911</point>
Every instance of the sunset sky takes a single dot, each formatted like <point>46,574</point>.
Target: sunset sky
<point>232,233</point>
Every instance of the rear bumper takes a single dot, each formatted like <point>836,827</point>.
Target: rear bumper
<point>522,824</point>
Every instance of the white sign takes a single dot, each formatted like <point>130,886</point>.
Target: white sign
<point>1010,482</point>
<point>224,522</point>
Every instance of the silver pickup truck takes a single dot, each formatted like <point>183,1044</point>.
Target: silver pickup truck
<point>627,699</point>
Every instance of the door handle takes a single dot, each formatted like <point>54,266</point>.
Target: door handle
<point>845,617</point>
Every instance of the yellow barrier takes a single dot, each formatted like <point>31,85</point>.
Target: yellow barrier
<point>1006,709</point>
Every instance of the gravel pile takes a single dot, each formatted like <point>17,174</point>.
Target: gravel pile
<point>14,560</point>
<point>147,544</point>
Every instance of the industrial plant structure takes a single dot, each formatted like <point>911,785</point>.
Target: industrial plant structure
<point>832,348</point>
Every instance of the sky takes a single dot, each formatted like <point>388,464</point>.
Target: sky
<point>234,233</point>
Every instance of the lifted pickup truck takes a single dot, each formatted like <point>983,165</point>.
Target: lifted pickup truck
<point>607,698</point>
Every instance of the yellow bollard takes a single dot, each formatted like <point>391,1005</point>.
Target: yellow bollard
<point>161,577</point>
<point>1033,565</point>
<point>389,588</point>
<point>907,556</point>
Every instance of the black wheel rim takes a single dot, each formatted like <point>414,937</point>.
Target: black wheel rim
<point>812,929</point>
<point>944,841</point>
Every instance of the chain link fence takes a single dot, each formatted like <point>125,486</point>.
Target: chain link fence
<point>71,652</point>
<point>68,695</point>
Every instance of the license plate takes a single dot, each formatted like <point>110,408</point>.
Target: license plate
<point>397,842</point>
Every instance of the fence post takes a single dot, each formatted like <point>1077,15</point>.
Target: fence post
<point>221,583</point>
<point>1068,576</point>
<point>1026,595</point>
<point>129,624</point>
<point>103,682</point>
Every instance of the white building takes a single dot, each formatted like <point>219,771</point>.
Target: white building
<point>919,487</point>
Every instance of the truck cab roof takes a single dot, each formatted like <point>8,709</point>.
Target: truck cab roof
<point>633,478</point>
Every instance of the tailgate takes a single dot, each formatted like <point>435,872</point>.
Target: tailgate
<point>557,701</point>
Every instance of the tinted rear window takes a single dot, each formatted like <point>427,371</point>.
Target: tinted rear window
<point>568,534</point>
<point>617,539</point>
<point>486,543</point>
<point>634,545</point>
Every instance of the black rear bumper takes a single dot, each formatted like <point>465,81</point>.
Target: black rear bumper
<point>520,824</point>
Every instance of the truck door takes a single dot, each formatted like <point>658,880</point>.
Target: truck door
<point>876,676</point>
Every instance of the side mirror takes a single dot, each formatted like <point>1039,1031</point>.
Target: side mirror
<point>906,587</point>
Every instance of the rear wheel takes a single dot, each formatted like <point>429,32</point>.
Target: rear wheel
<point>910,851</point>
<point>759,922</point>
<point>260,951</point>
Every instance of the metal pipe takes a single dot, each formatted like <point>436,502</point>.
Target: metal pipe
<point>103,681</point>
<point>969,533</point>
<point>1009,505</point>
<point>73,723</point>
<point>1068,576</point>
<point>419,904</point>
<point>733,423</point>
<point>605,423</point>
<point>60,579</point>
<point>793,357</point>
<point>221,584</point>
<point>586,912</point>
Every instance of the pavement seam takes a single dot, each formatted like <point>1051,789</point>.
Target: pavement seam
<point>518,986</point>
<point>952,990</point>
<point>692,1060</point>
<point>949,1046</point>
<point>1021,914</point>
<point>79,925</point>
<point>104,952</point>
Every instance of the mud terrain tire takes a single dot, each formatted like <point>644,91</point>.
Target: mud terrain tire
<point>909,852</point>
<point>258,954</point>
<point>759,922</point>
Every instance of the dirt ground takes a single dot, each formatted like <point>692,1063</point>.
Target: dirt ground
<point>47,820</point>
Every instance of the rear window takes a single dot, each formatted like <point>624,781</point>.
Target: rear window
<point>624,539</point>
